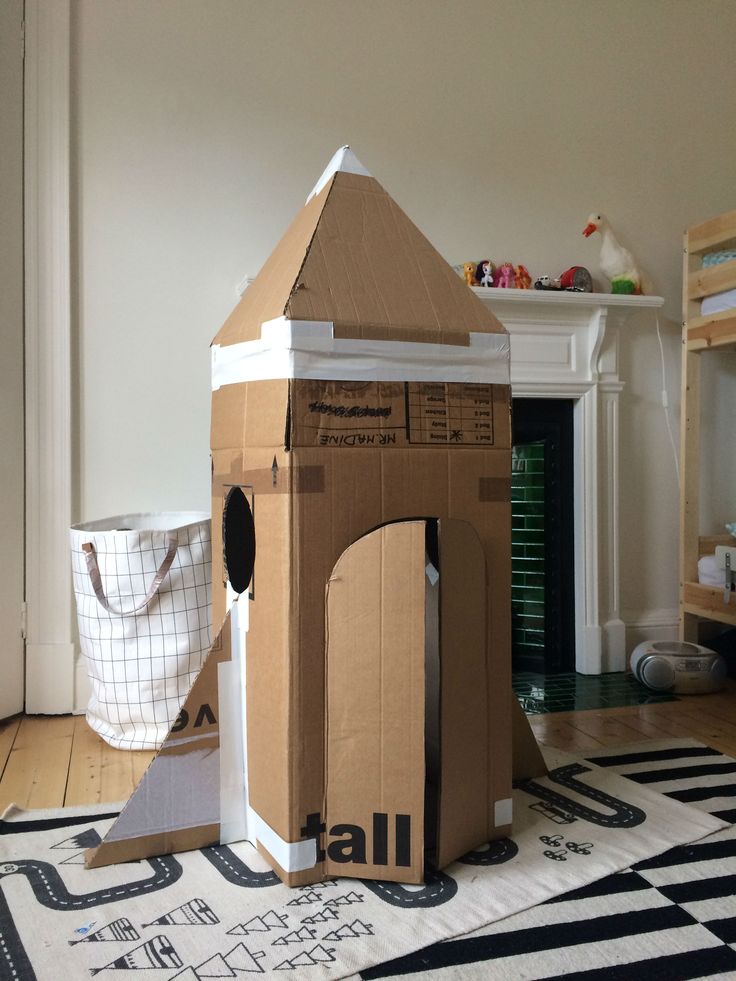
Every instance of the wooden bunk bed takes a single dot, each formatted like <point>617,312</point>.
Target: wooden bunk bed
<point>709,326</point>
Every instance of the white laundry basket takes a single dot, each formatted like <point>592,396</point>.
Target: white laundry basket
<point>143,585</point>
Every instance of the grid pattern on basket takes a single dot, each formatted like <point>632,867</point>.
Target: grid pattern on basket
<point>142,665</point>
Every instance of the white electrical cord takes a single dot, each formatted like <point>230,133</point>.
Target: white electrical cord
<point>666,402</point>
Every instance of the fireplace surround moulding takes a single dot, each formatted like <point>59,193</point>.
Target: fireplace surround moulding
<point>565,345</point>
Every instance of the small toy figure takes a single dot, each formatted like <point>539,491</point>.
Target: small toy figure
<point>469,273</point>
<point>577,279</point>
<point>505,276</point>
<point>484,272</point>
<point>523,279</point>
<point>547,283</point>
<point>616,262</point>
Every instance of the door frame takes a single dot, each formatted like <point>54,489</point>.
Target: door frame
<point>12,439</point>
<point>50,632</point>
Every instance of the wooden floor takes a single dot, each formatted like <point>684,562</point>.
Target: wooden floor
<point>51,761</point>
<point>708,718</point>
<point>56,760</point>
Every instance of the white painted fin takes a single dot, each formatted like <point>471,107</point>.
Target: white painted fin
<point>343,160</point>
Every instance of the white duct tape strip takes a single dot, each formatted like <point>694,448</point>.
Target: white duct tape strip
<point>503,812</point>
<point>233,732</point>
<point>238,820</point>
<point>342,160</point>
<point>292,856</point>
<point>309,349</point>
<point>230,596</point>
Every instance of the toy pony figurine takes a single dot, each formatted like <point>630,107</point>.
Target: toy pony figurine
<point>469,273</point>
<point>484,272</point>
<point>523,279</point>
<point>505,276</point>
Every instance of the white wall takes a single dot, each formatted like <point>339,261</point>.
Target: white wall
<point>199,128</point>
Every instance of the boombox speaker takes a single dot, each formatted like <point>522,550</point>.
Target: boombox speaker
<point>678,667</point>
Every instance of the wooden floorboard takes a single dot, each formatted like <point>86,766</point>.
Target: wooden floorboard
<point>36,770</point>
<point>8,730</point>
<point>51,761</point>
<point>550,730</point>
<point>709,718</point>
<point>97,772</point>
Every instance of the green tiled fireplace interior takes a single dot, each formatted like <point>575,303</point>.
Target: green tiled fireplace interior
<point>527,550</point>
<point>542,521</point>
<point>572,692</point>
<point>542,571</point>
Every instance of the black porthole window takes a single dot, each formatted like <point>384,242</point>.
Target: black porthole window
<point>239,539</point>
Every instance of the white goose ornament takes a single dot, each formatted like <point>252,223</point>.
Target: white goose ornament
<point>616,262</point>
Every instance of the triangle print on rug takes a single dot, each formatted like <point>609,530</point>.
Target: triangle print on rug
<point>154,954</point>
<point>119,930</point>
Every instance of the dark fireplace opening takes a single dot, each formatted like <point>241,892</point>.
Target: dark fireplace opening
<point>542,538</point>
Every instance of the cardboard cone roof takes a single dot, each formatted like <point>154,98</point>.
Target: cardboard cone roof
<point>351,257</point>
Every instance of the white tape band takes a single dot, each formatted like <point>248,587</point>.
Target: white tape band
<point>343,160</point>
<point>233,737</point>
<point>308,349</point>
<point>292,856</point>
<point>503,812</point>
<point>238,820</point>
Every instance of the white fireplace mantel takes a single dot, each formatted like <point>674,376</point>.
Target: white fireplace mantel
<point>565,345</point>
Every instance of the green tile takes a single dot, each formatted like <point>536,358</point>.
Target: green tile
<point>567,692</point>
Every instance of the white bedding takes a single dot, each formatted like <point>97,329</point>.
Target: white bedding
<point>709,574</point>
<point>718,302</point>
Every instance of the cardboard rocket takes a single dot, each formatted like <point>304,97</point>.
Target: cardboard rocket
<point>354,716</point>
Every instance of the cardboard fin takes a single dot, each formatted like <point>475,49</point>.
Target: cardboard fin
<point>527,757</point>
<point>176,805</point>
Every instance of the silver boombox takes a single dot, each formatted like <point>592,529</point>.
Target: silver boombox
<point>678,667</point>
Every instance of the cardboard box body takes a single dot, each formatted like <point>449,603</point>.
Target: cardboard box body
<point>344,467</point>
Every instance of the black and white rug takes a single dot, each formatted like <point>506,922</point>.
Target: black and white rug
<point>670,917</point>
<point>219,913</point>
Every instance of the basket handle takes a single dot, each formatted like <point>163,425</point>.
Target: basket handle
<point>172,544</point>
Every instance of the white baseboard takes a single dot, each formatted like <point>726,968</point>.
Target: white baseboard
<point>644,625</point>
<point>52,691</point>
<point>82,686</point>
